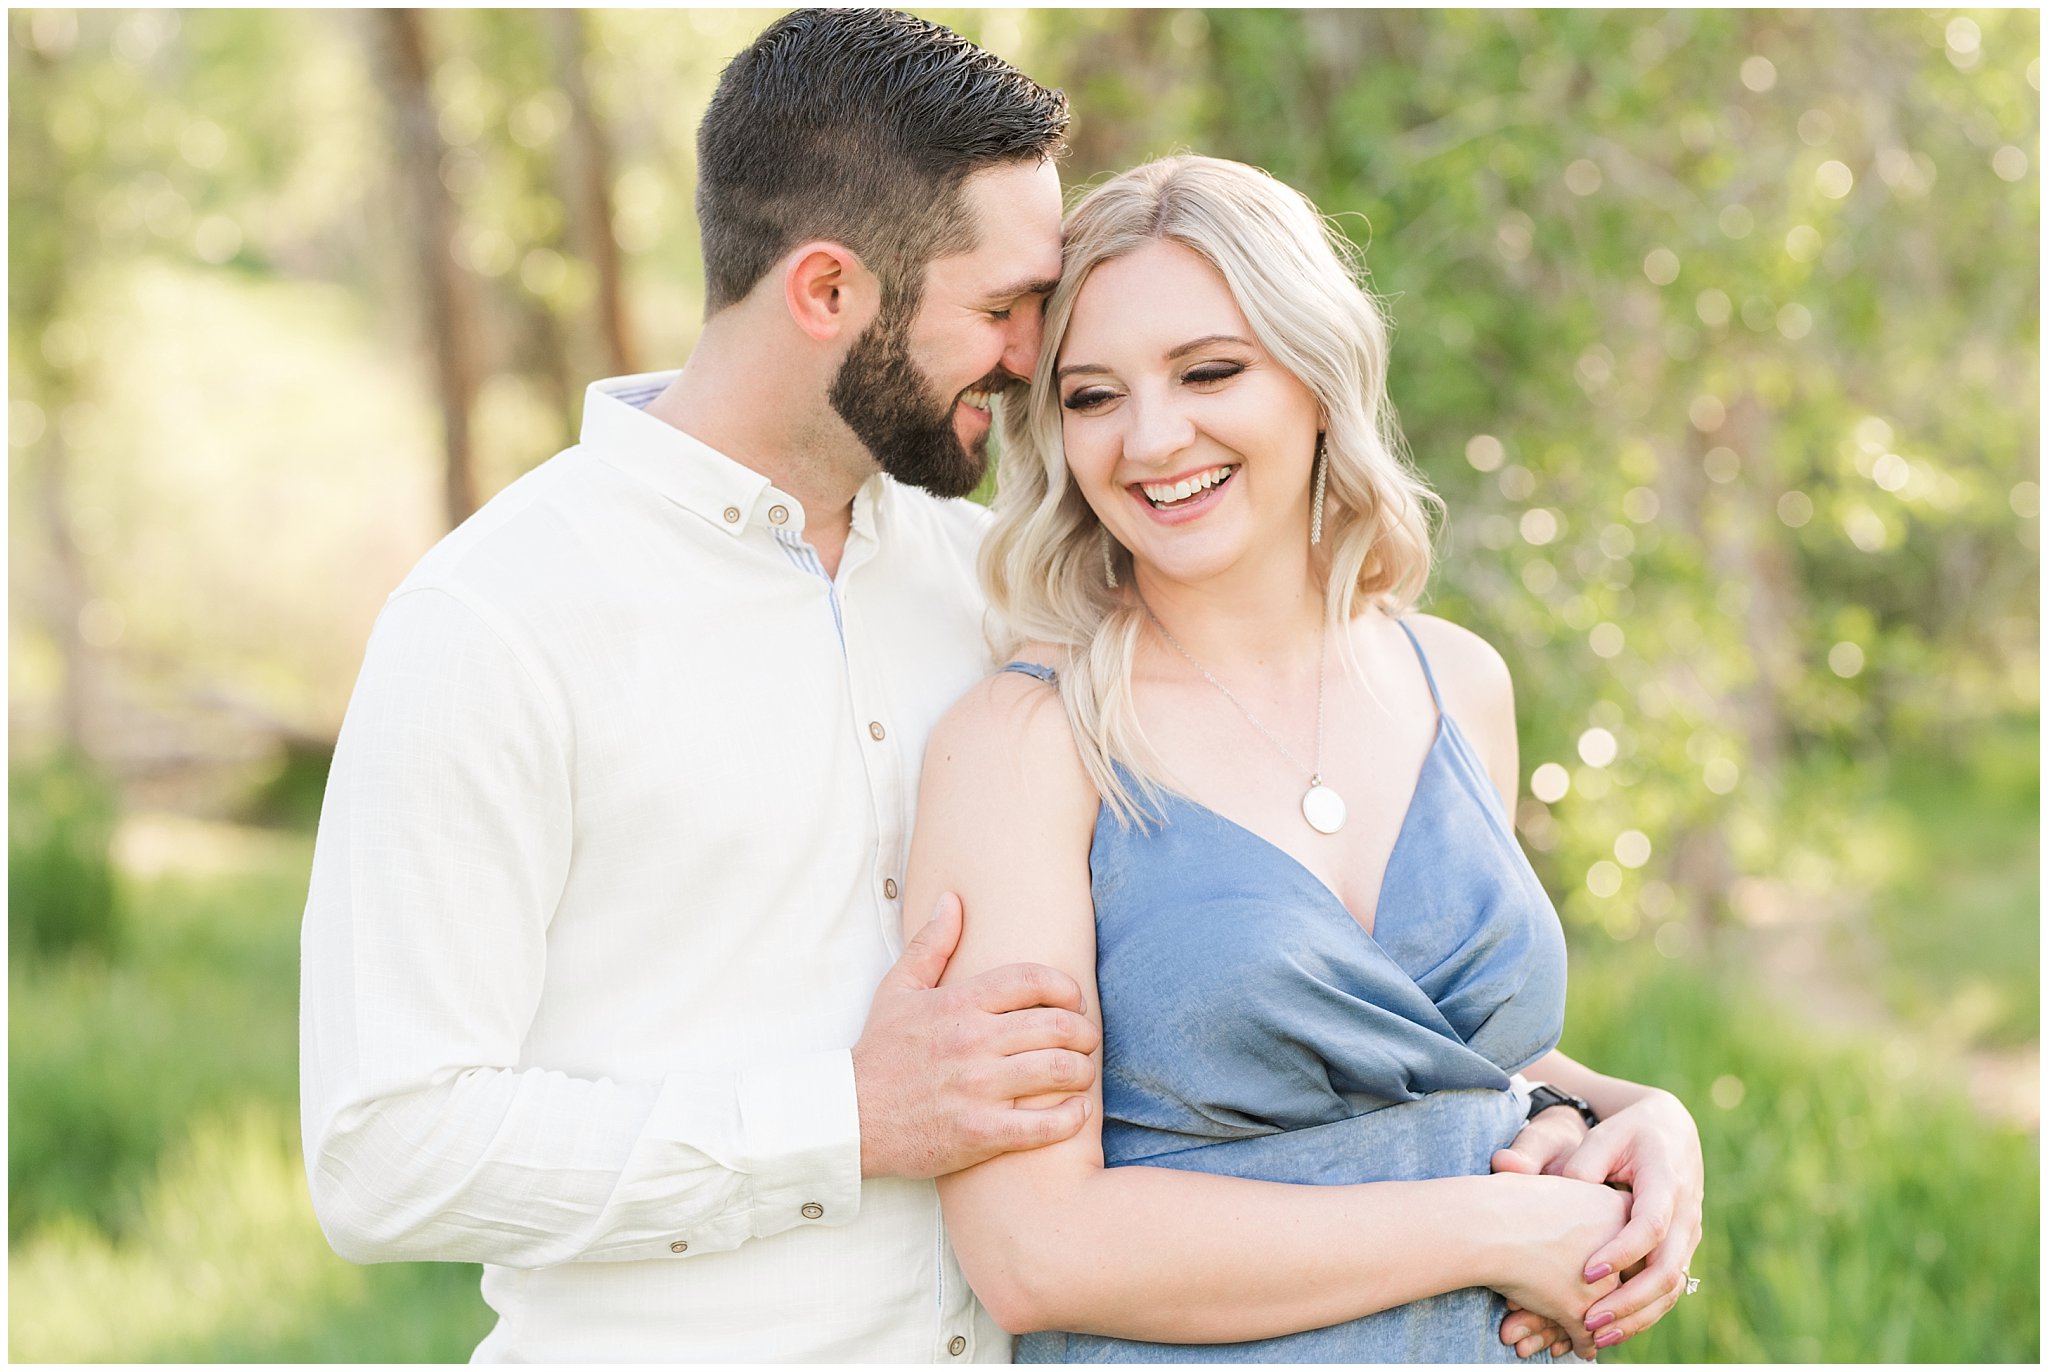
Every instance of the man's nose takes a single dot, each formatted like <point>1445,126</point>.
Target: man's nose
<point>1020,350</point>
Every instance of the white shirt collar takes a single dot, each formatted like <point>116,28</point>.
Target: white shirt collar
<point>618,430</point>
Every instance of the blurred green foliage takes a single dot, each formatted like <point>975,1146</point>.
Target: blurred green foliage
<point>60,875</point>
<point>1717,330</point>
<point>153,1159</point>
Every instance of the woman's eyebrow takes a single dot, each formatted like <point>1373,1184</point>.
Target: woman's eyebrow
<point>1207,340</point>
<point>1192,345</point>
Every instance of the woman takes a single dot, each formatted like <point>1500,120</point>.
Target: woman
<point>1316,950</point>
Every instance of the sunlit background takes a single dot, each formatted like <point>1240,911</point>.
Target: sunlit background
<point>1718,331</point>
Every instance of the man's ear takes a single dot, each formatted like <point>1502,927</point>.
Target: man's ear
<point>829,292</point>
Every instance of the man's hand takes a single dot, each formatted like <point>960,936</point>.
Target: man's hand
<point>1653,1148</point>
<point>1544,1143</point>
<point>939,1070</point>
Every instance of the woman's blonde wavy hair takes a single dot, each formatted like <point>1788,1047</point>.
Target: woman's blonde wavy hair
<point>1300,285</point>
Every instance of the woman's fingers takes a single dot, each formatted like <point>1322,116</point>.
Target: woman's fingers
<point>1646,1296</point>
<point>1669,1287</point>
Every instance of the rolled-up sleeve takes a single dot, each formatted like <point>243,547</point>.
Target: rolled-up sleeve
<point>444,845</point>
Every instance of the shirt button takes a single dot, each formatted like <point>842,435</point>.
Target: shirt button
<point>957,1346</point>
<point>889,888</point>
<point>876,731</point>
<point>813,1211</point>
<point>732,514</point>
<point>778,514</point>
<point>679,1247</point>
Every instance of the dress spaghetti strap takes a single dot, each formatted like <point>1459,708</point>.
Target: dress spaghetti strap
<point>1423,658</point>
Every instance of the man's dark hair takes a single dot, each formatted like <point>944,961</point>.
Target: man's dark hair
<point>858,126</point>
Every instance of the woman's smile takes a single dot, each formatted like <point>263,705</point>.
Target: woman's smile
<point>1179,499</point>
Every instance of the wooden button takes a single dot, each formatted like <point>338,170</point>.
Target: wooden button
<point>679,1247</point>
<point>813,1211</point>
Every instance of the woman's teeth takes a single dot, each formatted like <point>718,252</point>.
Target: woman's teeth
<point>1164,495</point>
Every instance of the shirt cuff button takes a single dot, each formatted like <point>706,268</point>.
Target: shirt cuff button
<point>957,1346</point>
<point>679,1247</point>
<point>813,1211</point>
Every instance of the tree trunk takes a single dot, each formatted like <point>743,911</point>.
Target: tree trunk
<point>589,173</point>
<point>444,283</point>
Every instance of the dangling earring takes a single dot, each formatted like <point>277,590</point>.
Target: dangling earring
<point>1315,510</point>
<point>1108,561</point>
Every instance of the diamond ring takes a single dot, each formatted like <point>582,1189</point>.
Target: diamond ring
<point>1692,1283</point>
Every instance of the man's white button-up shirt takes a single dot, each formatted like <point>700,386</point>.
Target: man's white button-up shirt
<point>606,876</point>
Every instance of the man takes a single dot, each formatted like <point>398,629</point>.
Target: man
<point>607,875</point>
<point>608,871</point>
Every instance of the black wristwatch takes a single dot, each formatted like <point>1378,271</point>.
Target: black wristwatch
<point>1542,1097</point>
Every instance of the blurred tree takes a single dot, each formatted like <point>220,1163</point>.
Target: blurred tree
<point>445,285</point>
<point>587,168</point>
<point>50,229</point>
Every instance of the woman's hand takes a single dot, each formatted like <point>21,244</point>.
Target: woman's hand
<point>1548,1226</point>
<point>1652,1147</point>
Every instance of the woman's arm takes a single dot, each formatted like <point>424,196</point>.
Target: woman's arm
<point>1051,1239</point>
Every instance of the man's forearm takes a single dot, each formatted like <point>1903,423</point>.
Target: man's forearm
<point>1607,1095</point>
<point>533,1168</point>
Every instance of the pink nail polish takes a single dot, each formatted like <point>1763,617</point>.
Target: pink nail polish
<point>1597,1272</point>
<point>1604,1317</point>
<point>1608,1339</point>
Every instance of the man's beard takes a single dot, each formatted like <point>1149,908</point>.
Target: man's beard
<point>888,404</point>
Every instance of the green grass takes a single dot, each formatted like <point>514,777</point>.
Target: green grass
<point>158,1201</point>
<point>1857,1209</point>
<point>1961,922</point>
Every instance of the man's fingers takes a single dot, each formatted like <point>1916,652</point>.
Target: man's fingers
<point>1023,1127</point>
<point>1049,1071</point>
<point>1021,1031</point>
<point>1022,985</point>
<point>1543,1141</point>
<point>1594,1160</point>
<point>1514,1160</point>
<point>931,948</point>
<point>1530,1333</point>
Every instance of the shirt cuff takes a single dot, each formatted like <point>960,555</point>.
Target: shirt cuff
<point>800,1134</point>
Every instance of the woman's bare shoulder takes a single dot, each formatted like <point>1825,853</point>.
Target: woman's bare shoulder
<point>1010,732</point>
<point>1470,672</point>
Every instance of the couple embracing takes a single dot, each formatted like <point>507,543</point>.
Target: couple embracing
<point>1209,983</point>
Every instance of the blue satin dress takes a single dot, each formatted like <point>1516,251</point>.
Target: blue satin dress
<point>1253,1029</point>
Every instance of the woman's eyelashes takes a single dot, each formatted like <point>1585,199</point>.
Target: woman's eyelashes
<point>1085,398</point>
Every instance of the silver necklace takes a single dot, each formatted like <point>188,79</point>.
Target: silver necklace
<point>1322,807</point>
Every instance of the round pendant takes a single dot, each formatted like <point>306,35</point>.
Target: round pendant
<point>1323,808</point>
